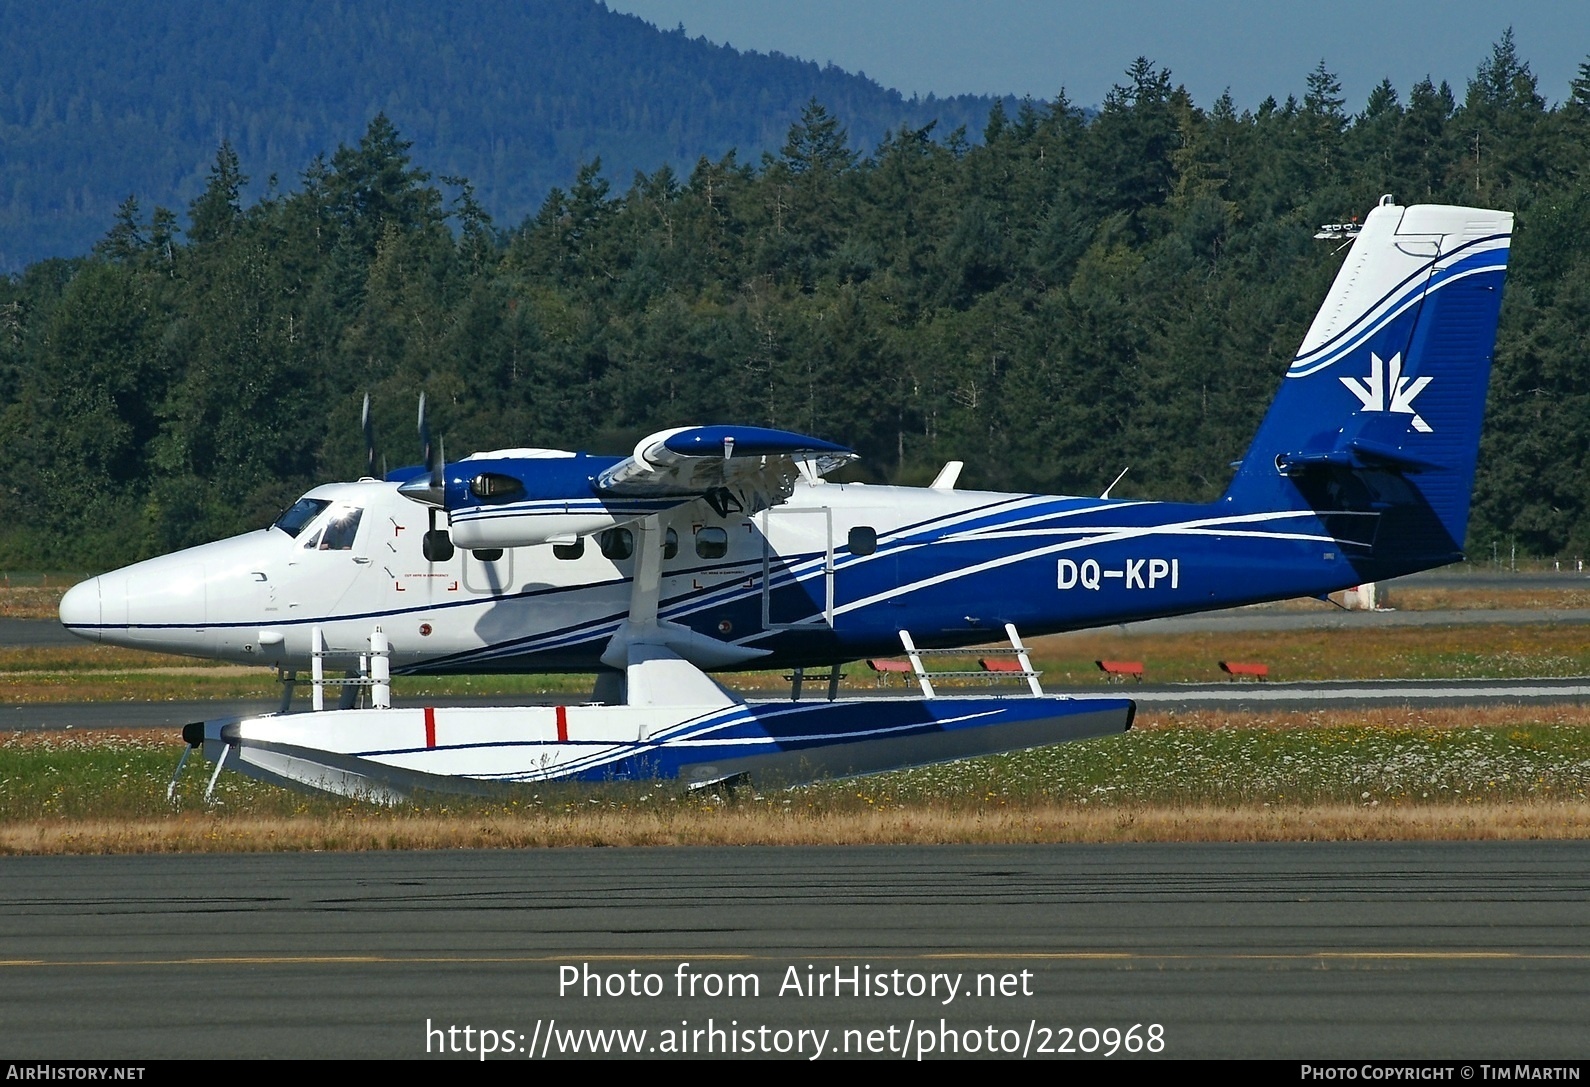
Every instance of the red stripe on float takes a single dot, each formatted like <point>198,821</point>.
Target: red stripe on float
<point>430,726</point>
<point>563,724</point>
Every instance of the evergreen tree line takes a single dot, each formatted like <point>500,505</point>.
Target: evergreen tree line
<point>1066,297</point>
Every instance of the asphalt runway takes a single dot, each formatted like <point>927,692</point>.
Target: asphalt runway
<point>35,633</point>
<point>1474,950</point>
<point>1348,693</point>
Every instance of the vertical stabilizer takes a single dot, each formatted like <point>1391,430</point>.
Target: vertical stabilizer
<point>1379,414</point>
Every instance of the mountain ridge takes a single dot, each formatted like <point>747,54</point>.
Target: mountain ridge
<point>513,97</point>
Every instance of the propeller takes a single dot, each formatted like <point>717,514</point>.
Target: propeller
<point>433,471</point>
<point>430,490</point>
<point>368,426</point>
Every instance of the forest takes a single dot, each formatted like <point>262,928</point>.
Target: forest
<point>1058,298</point>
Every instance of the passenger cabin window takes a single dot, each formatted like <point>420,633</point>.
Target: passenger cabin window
<point>863,540</point>
<point>670,544</point>
<point>339,532</point>
<point>712,543</point>
<point>304,511</point>
<point>616,543</point>
<point>570,550</point>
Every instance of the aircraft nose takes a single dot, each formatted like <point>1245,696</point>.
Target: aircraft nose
<point>80,609</point>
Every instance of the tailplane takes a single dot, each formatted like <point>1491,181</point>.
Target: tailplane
<point>1377,424</point>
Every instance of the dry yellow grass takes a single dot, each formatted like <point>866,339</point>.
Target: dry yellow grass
<point>1461,598</point>
<point>744,825</point>
<point>1424,652</point>
<point>32,601</point>
<point>92,657</point>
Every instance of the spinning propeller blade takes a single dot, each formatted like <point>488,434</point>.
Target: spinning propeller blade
<point>429,488</point>
<point>368,426</point>
<point>433,471</point>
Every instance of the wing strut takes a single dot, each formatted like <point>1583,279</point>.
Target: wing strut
<point>644,637</point>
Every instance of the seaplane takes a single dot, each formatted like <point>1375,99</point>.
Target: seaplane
<point>716,548</point>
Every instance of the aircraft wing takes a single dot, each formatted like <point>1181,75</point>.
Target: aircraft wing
<point>755,465</point>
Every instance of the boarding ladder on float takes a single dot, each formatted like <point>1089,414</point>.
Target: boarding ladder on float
<point>374,672</point>
<point>1017,652</point>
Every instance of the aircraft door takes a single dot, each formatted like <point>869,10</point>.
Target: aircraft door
<point>325,562</point>
<point>797,567</point>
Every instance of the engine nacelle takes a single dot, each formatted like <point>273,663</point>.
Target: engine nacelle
<point>504,527</point>
<point>510,499</point>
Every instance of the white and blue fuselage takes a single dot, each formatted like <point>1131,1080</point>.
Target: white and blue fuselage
<point>833,574</point>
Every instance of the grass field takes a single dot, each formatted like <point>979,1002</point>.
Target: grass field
<point>1449,774</point>
<point>33,596</point>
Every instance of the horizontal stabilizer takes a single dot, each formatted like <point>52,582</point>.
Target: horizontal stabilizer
<point>1367,441</point>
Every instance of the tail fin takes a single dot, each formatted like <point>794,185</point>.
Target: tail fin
<point>1378,418</point>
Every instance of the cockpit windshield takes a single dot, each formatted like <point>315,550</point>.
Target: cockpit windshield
<point>339,532</point>
<point>304,511</point>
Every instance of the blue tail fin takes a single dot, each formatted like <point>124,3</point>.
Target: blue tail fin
<point>1377,424</point>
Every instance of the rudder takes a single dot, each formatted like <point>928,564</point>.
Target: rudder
<point>1380,411</point>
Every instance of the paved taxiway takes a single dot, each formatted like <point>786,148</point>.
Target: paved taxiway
<point>1351,950</point>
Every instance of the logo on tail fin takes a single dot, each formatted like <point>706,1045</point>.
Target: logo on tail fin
<point>1385,382</point>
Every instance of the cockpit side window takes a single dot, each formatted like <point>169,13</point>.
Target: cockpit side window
<point>339,532</point>
<point>304,511</point>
